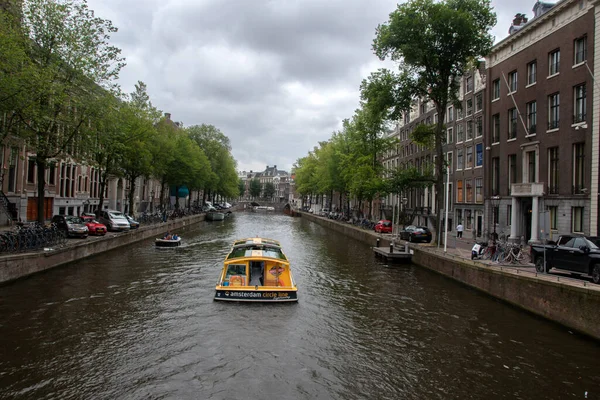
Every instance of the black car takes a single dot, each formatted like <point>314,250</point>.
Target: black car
<point>133,224</point>
<point>72,226</point>
<point>414,233</point>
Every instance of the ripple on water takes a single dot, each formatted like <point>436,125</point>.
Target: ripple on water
<point>142,323</point>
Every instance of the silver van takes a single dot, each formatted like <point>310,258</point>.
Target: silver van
<point>114,220</point>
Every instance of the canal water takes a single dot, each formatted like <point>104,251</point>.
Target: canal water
<point>141,323</point>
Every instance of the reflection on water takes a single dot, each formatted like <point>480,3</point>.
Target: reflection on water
<point>141,323</point>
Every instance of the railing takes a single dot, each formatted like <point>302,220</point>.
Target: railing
<point>553,124</point>
<point>580,117</point>
<point>9,208</point>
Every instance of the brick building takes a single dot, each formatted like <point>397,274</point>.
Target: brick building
<point>542,139</point>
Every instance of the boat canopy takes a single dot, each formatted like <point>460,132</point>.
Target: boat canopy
<point>257,248</point>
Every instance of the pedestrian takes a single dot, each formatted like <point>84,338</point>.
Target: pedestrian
<point>459,230</point>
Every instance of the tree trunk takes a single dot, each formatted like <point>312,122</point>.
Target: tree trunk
<point>103,179</point>
<point>440,166</point>
<point>130,195</point>
<point>41,188</point>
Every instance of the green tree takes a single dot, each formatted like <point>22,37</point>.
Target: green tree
<point>269,191</point>
<point>434,43</point>
<point>241,188</point>
<point>255,188</point>
<point>70,64</point>
<point>139,128</point>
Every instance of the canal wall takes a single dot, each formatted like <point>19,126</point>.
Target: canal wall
<point>571,305</point>
<point>17,266</point>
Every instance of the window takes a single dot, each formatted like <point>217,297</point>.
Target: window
<point>578,168</point>
<point>508,214</point>
<point>459,159</point>
<point>450,114</point>
<point>459,218</point>
<point>495,128</point>
<point>31,171</point>
<point>469,156</point>
<point>512,81</point>
<point>468,219</point>
<point>479,127</point>
<point>512,123</point>
<point>580,50</point>
<point>553,111</point>
<point>495,176</point>
<point>553,217</point>
<point>469,130</point>
<point>577,219</point>
<point>479,154</point>
<point>479,190</point>
<point>459,191</point>
<point>532,117</point>
<point>469,84</point>
<point>469,191</point>
<point>449,160</point>
<point>554,62</point>
<point>512,170</point>
<point>449,136</point>
<point>532,73</point>
<point>553,170</point>
<point>459,113</point>
<point>52,174</point>
<point>469,107</point>
<point>580,104</point>
<point>459,133</point>
<point>478,102</point>
<point>496,89</point>
<point>531,167</point>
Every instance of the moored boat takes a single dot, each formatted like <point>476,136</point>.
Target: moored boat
<point>167,242</point>
<point>256,270</point>
<point>215,216</point>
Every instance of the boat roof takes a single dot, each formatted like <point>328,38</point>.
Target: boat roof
<point>256,240</point>
<point>256,248</point>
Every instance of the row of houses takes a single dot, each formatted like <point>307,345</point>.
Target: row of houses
<point>523,149</point>
<point>281,180</point>
<point>71,187</point>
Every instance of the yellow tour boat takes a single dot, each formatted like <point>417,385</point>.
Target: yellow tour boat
<point>256,269</point>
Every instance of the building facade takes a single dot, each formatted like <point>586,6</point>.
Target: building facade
<point>542,136</point>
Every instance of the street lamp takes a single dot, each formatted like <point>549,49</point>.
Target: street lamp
<point>152,200</point>
<point>495,200</point>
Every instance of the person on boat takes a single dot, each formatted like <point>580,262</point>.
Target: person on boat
<point>174,237</point>
<point>167,236</point>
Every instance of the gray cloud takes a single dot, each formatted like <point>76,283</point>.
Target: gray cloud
<point>275,76</point>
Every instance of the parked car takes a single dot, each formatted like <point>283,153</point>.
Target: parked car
<point>114,220</point>
<point>94,227</point>
<point>72,225</point>
<point>383,226</point>
<point>577,254</point>
<point>414,233</point>
<point>324,212</point>
<point>133,224</point>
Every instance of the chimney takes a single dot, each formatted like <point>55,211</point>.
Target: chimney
<point>518,21</point>
<point>168,116</point>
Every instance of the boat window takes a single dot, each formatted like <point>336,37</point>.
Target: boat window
<point>236,269</point>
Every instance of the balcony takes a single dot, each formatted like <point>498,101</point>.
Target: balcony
<point>527,189</point>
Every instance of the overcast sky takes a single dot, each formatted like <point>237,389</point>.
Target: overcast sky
<point>275,76</point>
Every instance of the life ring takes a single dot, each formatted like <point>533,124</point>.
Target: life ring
<point>276,270</point>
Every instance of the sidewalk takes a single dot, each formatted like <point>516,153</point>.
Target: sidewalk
<point>461,247</point>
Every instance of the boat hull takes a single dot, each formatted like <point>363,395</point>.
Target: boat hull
<point>215,216</point>
<point>167,243</point>
<point>257,295</point>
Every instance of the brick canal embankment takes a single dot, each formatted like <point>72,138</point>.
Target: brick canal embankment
<point>15,266</point>
<point>574,304</point>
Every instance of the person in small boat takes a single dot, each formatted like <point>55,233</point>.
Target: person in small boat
<point>167,236</point>
<point>174,236</point>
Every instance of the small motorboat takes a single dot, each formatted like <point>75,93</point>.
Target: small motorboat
<point>256,270</point>
<point>162,242</point>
